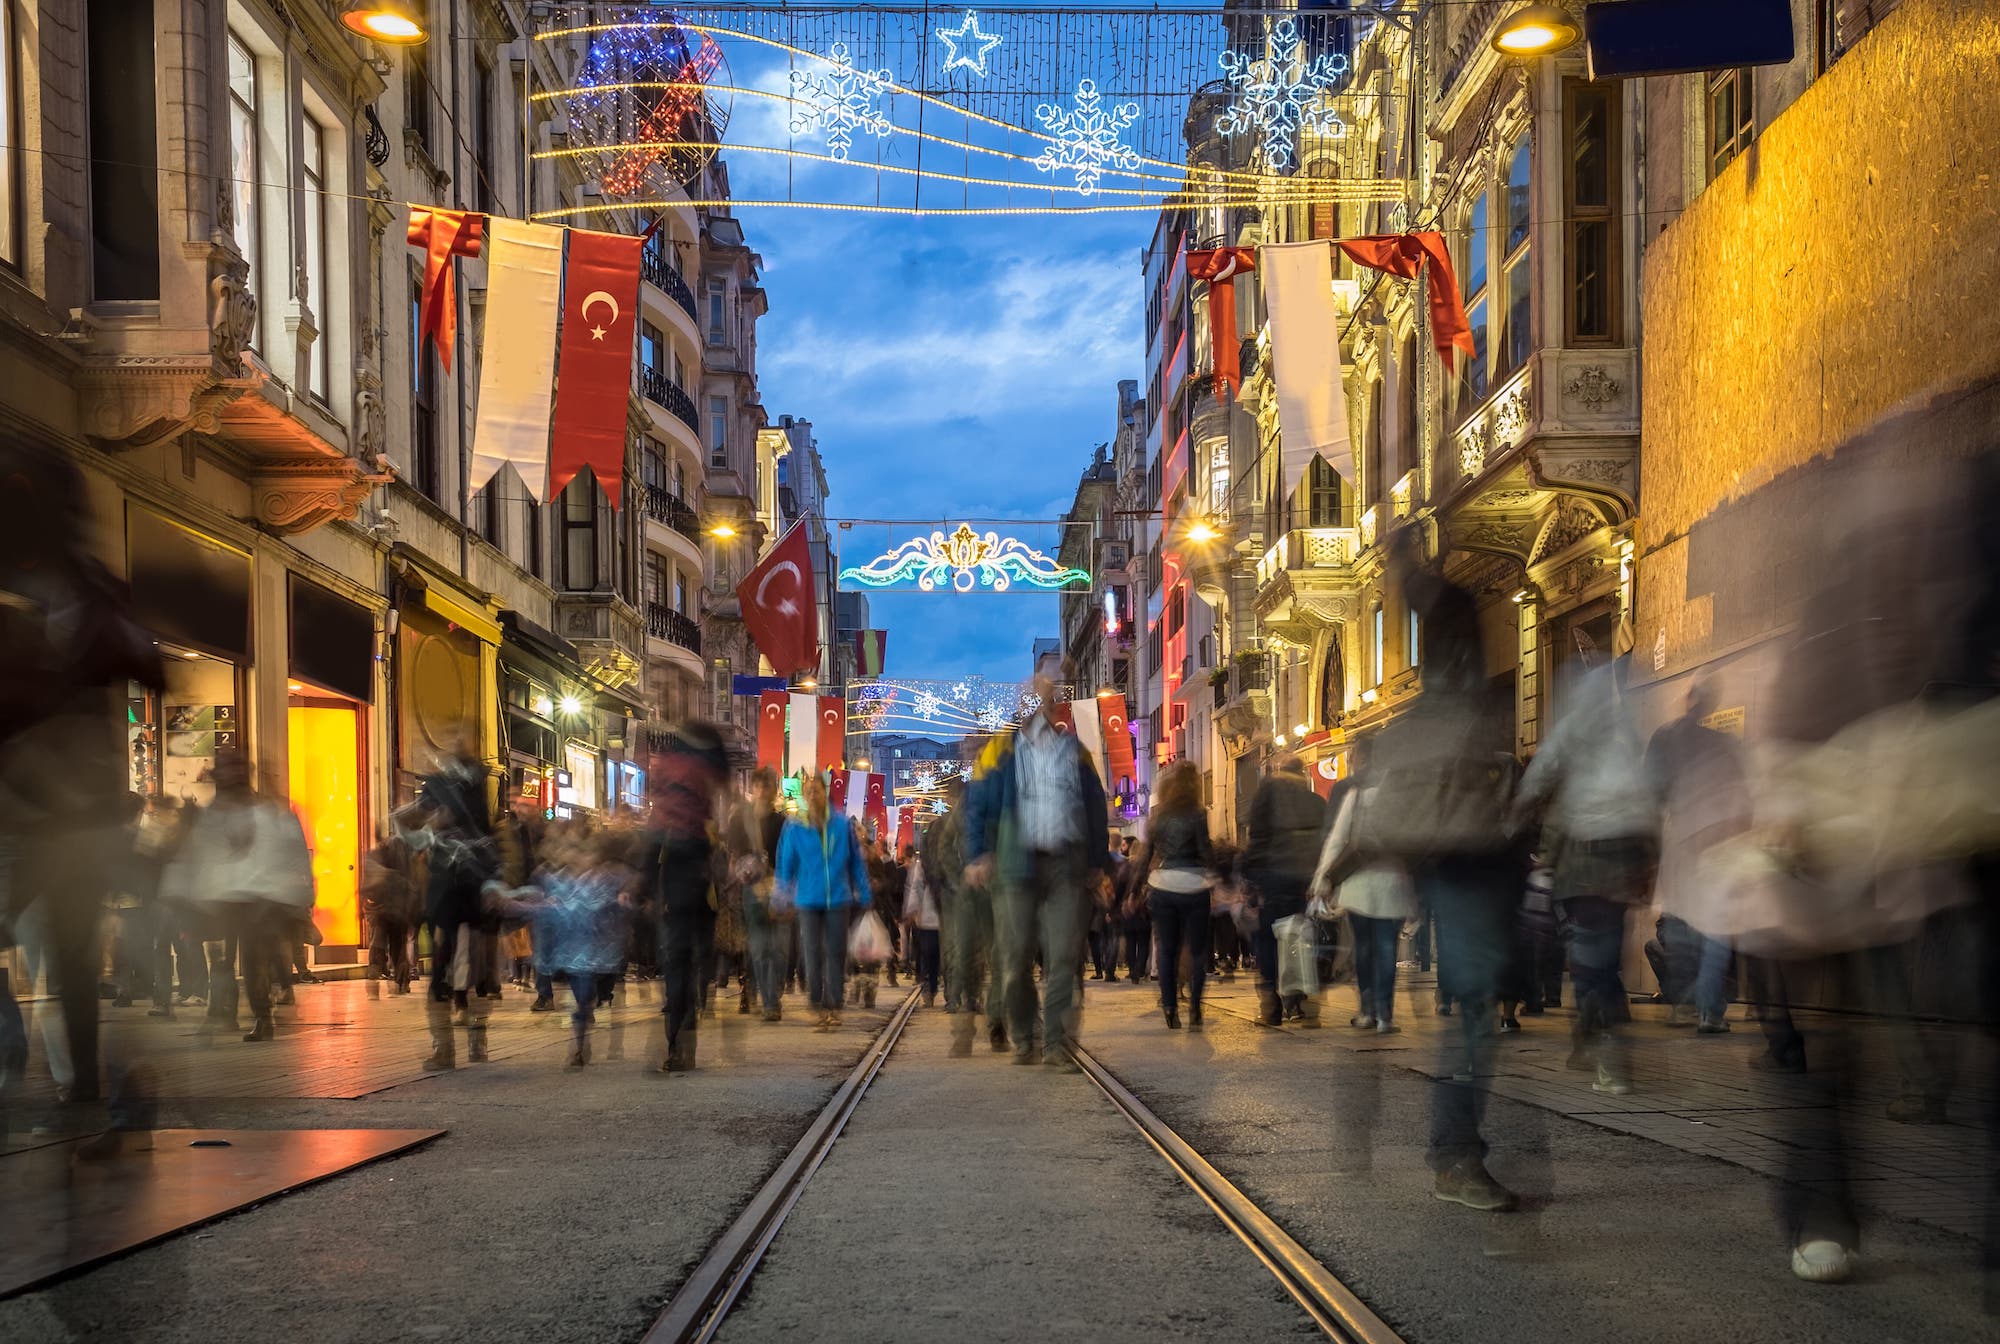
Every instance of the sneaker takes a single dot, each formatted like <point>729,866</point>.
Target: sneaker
<point>1822,1261</point>
<point>1386,1028</point>
<point>1616,1085</point>
<point>542,1006</point>
<point>1470,1184</point>
<point>1363,1022</point>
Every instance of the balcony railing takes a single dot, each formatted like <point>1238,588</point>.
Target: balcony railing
<point>663,622</point>
<point>1251,673</point>
<point>1308,548</point>
<point>658,272</point>
<point>662,390</point>
<point>665,507</point>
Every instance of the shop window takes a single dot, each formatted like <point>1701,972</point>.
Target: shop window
<point>1590,205</point>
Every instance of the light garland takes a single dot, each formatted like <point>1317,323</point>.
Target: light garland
<point>1278,93</point>
<point>967,561</point>
<point>967,47</point>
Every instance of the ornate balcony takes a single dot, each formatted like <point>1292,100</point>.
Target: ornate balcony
<point>663,622</point>
<point>663,391</point>
<point>607,632</point>
<point>1306,581</point>
<point>663,506</point>
<point>662,275</point>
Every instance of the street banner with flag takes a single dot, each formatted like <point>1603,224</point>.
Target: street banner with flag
<point>875,801</point>
<point>832,730</point>
<point>836,792</point>
<point>594,379</point>
<point>1089,732</point>
<point>802,734</point>
<point>854,797</point>
<point>517,364</point>
<point>1061,716</point>
<point>871,652</point>
<point>771,707</point>
<point>906,828</point>
<point>1117,737</point>
<point>1305,360</point>
<point>778,606</point>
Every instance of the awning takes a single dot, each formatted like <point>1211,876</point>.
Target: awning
<point>462,615</point>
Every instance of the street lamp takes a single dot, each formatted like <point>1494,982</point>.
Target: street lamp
<point>1202,530</point>
<point>722,530</point>
<point>1538,29</point>
<point>389,21</point>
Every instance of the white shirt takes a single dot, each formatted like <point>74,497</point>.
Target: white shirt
<point>1051,799</point>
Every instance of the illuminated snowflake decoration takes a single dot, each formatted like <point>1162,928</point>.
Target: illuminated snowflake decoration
<point>938,806</point>
<point>839,102</point>
<point>992,717</point>
<point>968,47</point>
<point>1276,94</point>
<point>928,704</point>
<point>1084,139</point>
<point>1030,704</point>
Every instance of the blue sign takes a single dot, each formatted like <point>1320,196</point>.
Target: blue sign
<point>742,685</point>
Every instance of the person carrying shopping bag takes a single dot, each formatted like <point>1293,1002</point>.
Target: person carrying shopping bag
<point>820,870</point>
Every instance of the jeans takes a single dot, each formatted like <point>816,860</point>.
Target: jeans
<point>583,989</point>
<point>770,942</point>
<point>389,951</point>
<point>974,971</point>
<point>1046,912</point>
<point>687,946</point>
<point>1596,948</point>
<point>1180,919</point>
<point>1375,964</point>
<point>1138,949</point>
<point>823,950</point>
<point>928,960</point>
<point>1472,900</point>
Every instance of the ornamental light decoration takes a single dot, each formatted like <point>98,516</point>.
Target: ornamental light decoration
<point>1277,94</point>
<point>968,47</point>
<point>967,561</point>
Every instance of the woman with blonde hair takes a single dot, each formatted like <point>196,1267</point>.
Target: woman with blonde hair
<point>1179,879</point>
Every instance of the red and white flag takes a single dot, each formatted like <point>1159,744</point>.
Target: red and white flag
<point>906,828</point>
<point>517,364</point>
<point>1117,737</point>
<point>778,605</point>
<point>594,379</point>
<point>836,793</point>
<point>854,796</point>
<point>832,731</point>
<point>771,730</point>
<point>875,801</point>
<point>802,735</point>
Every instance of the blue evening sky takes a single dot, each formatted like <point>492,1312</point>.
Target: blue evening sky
<point>952,367</point>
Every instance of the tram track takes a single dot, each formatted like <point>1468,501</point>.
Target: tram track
<point>700,1307</point>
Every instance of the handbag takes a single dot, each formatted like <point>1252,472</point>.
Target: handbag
<point>1298,955</point>
<point>1432,791</point>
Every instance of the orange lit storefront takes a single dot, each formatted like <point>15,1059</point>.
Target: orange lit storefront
<point>330,689</point>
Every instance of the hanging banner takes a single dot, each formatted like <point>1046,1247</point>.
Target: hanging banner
<point>1117,737</point>
<point>1305,360</point>
<point>1220,266</point>
<point>871,651</point>
<point>442,234</point>
<point>906,829</point>
<point>517,365</point>
<point>1089,731</point>
<point>802,734</point>
<point>1404,255</point>
<point>780,607</point>
<point>832,717</point>
<point>600,314</point>
<point>855,802</point>
<point>771,730</point>
<point>836,792</point>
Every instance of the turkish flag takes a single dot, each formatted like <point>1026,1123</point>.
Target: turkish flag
<point>906,829</point>
<point>778,605</point>
<point>771,730</point>
<point>1117,736</point>
<point>832,731</point>
<point>875,806</point>
<point>1060,715</point>
<point>600,313</point>
<point>836,793</point>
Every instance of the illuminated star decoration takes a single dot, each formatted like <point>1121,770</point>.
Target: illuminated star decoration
<point>968,46</point>
<point>1084,139</point>
<point>1276,93</point>
<point>839,102</point>
<point>967,561</point>
<point>961,692</point>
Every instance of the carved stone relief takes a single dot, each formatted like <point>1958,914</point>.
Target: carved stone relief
<point>1593,388</point>
<point>232,319</point>
<point>1573,522</point>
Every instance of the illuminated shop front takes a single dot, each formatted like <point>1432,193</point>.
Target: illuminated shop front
<point>330,686</point>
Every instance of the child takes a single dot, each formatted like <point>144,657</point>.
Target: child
<point>577,913</point>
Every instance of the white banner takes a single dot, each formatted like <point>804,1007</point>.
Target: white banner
<point>802,734</point>
<point>857,793</point>
<point>517,361</point>
<point>1089,730</point>
<point>1305,359</point>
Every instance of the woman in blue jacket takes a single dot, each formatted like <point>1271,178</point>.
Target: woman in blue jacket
<point>820,868</point>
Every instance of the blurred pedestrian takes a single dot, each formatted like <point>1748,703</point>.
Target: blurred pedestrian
<point>686,779</point>
<point>1287,825</point>
<point>577,907</point>
<point>1373,890</point>
<point>1178,880</point>
<point>754,832</point>
<point>451,824</point>
<point>391,904</point>
<point>921,923</point>
<point>1035,826</point>
<point>822,874</point>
